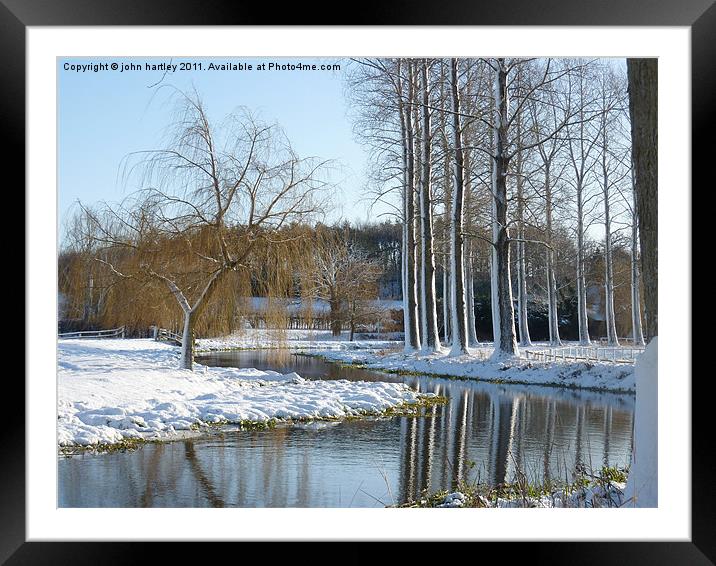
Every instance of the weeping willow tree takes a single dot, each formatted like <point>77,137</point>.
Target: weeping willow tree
<point>206,201</point>
<point>136,302</point>
<point>276,284</point>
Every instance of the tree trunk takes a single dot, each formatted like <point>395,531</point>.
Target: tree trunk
<point>553,315</point>
<point>410,321</point>
<point>431,338</point>
<point>521,248</point>
<point>611,324</point>
<point>637,333</point>
<point>579,164</point>
<point>582,319</point>
<point>187,340</point>
<point>191,314</point>
<point>404,234</point>
<point>506,342</point>
<point>412,248</point>
<point>457,265</point>
<point>642,76</point>
<point>417,150</point>
<point>469,276</point>
<point>471,330</point>
<point>447,192</point>
<point>447,309</point>
<point>525,339</point>
<point>494,297</point>
<point>336,326</point>
<point>87,309</point>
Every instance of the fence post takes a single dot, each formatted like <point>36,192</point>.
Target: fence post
<point>155,330</point>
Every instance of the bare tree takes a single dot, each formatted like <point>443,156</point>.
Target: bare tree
<point>327,274</point>
<point>80,277</point>
<point>613,169</point>
<point>510,99</point>
<point>207,199</point>
<point>546,117</point>
<point>342,274</point>
<point>447,206</point>
<point>581,146</point>
<point>389,121</point>
<point>428,298</point>
<point>503,308</point>
<point>628,201</point>
<point>530,123</point>
<point>457,249</point>
<point>362,306</point>
<point>476,184</point>
<point>523,324</point>
<point>406,98</point>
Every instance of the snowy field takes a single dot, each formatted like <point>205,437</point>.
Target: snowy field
<point>115,390</point>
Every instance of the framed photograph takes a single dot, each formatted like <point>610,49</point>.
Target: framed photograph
<point>233,300</point>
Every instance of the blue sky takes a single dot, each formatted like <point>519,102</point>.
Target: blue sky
<point>105,115</point>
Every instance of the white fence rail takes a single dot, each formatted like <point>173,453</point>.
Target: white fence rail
<point>112,333</point>
<point>626,340</point>
<point>585,354</point>
<point>164,334</point>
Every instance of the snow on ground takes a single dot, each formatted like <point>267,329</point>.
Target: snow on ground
<point>478,365</point>
<point>112,390</point>
<point>591,496</point>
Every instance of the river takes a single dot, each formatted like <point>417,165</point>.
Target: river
<point>486,432</point>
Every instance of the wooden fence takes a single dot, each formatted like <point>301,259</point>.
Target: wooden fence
<point>585,354</point>
<point>164,334</point>
<point>112,333</point>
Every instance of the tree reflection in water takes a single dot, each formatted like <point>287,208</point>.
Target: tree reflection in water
<point>486,432</point>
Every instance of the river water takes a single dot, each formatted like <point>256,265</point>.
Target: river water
<point>486,432</point>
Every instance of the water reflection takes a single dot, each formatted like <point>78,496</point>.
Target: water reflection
<point>285,361</point>
<point>486,432</point>
<point>491,433</point>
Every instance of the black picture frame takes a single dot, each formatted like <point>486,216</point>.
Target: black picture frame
<point>699,15</point>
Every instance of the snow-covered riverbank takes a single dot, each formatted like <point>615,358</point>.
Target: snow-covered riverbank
<point>115,390</point>
<point>388,355</point>
<point>591,494</point>
<point>603,376</point>
<point>609,487</point>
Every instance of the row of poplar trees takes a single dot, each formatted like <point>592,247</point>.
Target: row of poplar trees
<point>488,149</point>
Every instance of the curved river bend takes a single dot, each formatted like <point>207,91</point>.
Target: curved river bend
<point>485,432</point>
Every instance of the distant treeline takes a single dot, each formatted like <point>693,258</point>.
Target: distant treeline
<point>92,297</point>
